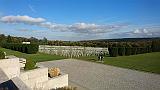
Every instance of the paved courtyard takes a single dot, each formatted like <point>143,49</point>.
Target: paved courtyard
<point>93,76</point>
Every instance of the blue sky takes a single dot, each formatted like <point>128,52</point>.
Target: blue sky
<point>80,19</point>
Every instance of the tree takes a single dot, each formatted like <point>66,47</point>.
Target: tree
<point>9,39</point>
<point>156,45</point>
<point>121,51</point>
<point>33,40</point>
<point>45,41</point>
<point>113,51</point>
<point>2,37</point>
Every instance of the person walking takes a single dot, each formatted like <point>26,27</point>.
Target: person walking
<point>100,57</point>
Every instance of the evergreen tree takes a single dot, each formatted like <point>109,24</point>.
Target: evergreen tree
<point>9,39</point>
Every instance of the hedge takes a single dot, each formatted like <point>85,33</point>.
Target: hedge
<point>113,51</point>
<point>133,51</point>
<point>2,55</point>
<point>126,51</point>
<point>30,64</point>
<point>25,48</point>
<point>121,51</point>
<point>156,46</point>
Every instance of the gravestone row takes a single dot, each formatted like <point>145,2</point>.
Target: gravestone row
<point>72,51</point>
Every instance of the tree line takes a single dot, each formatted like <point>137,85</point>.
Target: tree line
<point>117,47</point>
<point>12,39</point>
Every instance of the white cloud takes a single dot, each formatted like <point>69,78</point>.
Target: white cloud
<point>145,31</point>
<point>23,30</point>
<point>82,27</point>
<point>30,30</point>
<point>136,31</point>
<point>21,19</point>
<point>140,31</point>
<point>85,28</point>
<point>152,31</point>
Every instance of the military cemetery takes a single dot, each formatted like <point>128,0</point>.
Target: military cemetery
<point>72,51</point>
<point>79,45</point>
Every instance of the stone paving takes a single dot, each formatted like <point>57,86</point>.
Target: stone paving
<point>93,76</point>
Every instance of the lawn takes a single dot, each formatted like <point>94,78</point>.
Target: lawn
<point>149,62</point>
<point>39,57</point>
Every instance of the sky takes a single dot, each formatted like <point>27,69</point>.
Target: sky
<point>80,19</point>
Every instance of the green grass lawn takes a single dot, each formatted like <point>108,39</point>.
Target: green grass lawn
<point>149,62</point>
<point>39,57</point>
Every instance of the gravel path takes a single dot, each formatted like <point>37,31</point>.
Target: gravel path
<point>93,76</point>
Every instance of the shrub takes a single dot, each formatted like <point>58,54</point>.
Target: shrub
<point>149,48</point>
<point>134,51</point>
<point>25,48</point>
<point>113,51</point>
<point>32,48</point>
<point>2,55</point>
<point>30,64</point>
<point>128,51</point>
<point>121,51</point>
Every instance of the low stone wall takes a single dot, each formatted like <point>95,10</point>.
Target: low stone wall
<point>11,67</point>
<point>35,78</point>
<point>38,79</point>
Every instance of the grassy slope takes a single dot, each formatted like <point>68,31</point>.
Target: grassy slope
<point>35,57</point>
<point>149,62</point>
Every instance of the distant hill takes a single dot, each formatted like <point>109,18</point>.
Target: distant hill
<point>125,39</point>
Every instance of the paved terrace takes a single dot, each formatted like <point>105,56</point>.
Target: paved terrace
<point>93,76</point>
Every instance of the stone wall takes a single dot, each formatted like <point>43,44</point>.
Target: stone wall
<point>35,78</point>
<point>38,79</point>
<point>11,67</point>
